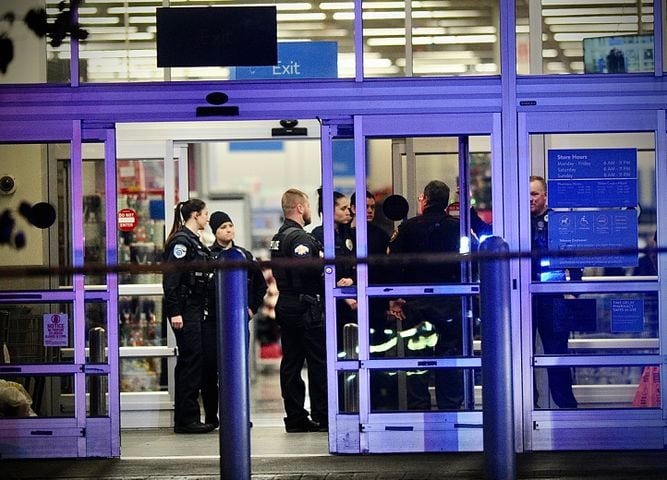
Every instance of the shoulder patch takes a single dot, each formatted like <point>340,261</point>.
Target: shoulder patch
<point>180,250</point>
<point>301,250</point>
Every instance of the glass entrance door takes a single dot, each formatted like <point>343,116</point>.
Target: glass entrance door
<point>59,358</point>
<point>593,352</point>
<point>404,340</point>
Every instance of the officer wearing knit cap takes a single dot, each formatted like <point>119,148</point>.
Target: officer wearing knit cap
<point>217,219</point>
<point>223,229</point>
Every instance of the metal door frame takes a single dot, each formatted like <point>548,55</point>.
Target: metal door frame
<point>78,436</point>
<point>603,428</point>
<point>364,432</point>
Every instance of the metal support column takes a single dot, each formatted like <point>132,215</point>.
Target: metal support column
<point>233,378</point>
<point>498,416</point>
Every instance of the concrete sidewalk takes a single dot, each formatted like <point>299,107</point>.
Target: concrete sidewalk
<point>602,465</point>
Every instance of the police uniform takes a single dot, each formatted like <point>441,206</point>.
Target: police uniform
<point>256,290</point>
<point>554,341</point>
<point>432,232</point>
<point>185,294</point>
<point>343,248</point>
<point>299,313</point>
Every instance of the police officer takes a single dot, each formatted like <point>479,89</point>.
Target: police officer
<point>185,298</point>
<point>434,231</point>
<point>554,341</point>
<point>343,247</point>
<point>223,229</point>
<point>299,312</point>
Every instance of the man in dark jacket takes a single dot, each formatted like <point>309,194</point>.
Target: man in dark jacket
<point>433,231</point>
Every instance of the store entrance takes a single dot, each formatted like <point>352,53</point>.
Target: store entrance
<point>404,362</point>
<point>241,168</point>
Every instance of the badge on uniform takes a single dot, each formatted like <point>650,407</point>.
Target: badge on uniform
<point>349,244</point>
<point>180,250</point>
<point>301,250</point>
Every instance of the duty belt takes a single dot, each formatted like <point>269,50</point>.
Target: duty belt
<point>311,299</point>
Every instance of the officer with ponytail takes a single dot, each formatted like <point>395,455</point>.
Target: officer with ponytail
<point>185,298</point>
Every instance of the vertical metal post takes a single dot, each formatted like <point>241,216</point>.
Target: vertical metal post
<point>233,377</point>
<point>499,455</point>
<point>97,345</point>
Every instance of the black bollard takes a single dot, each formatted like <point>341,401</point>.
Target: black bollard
<point>494,276</point>
<point>233,377</point>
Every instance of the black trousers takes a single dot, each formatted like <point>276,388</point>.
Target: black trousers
<point>209,379</point>
<point>303,340</point>
<point>445,315</point>
<point>554,343</point>
<point>188,371</point>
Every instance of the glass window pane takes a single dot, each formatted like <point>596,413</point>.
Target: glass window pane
<point>433,158</point>
<point>37,333</point>
<point>596,324</point>
<point>97,399</point>
<point>609,387</point>
<point>121,45</point>
<point>600,191</point>
<point>141,192</point>
<point>94,210</point>
<point>39,396</point>
<point>424,389</point>
<point>40,192</point>
<point>447,38</point>
<point>586,36</point>
<point>146,374</point>
<point>141,321</point>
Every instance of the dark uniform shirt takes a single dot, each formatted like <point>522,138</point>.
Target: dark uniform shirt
<point>432,232</point>
<point>541,271</point>
<point>344,247</point>
<point>292,241</point>
<point>256,283</point>
<point>184,285</point>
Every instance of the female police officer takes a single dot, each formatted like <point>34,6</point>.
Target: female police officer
<point>185,291</point>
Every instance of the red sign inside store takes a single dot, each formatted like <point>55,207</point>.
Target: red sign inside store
<point>127,220</point>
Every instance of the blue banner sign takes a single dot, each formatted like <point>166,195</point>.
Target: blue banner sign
<point>587,231</point>
<point>296,60</point>
<point>592,178</point>
<point>627,315</point>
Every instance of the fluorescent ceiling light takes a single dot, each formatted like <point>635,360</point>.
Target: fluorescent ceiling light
<point>337,6</point>
<point>446,55</point>
<point>383,5</point>
<point>522,29</point>
<point>299,17</point>
<point>573,52</point>
<point>293,6</point>
<point>434,40</point>
<point>123,10</point>
<point>605,19</point>
<point>100,30</point>
<point>439,69</point>
<point>448,14</point>
<point>549,53</point>
<point>574,37</point>
<point>623,27</point>
<point>548,3</point>
<point>149,19</point>
<point>578,12</point>
<point>52,12</point>
<point>99,21</point>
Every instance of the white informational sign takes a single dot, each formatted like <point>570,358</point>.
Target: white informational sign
<point>56,333</point>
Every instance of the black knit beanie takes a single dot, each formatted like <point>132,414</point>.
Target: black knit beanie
<point>217,219</point>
